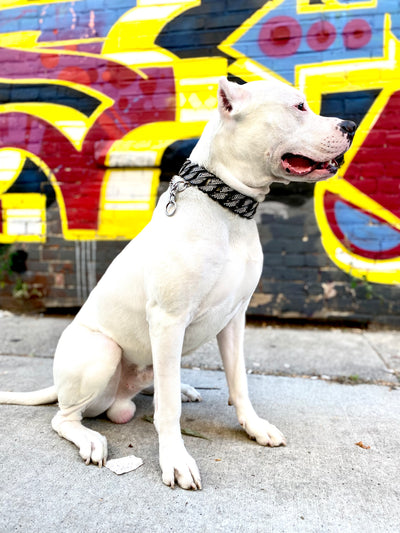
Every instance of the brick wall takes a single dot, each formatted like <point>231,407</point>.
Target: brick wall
<point>101,102</point>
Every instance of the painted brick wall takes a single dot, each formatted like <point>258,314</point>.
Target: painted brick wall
<point>100,102</point>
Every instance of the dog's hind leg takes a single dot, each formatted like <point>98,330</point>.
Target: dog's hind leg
<point>87,369</point>
<point>230,342</point>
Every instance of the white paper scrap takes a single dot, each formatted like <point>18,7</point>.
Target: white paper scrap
<point>124,464</point>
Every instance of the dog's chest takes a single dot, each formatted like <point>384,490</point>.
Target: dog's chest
<point>229,291</point>
<point>239,276</point>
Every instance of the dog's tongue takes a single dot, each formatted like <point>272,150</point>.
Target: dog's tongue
<point>298,164</point>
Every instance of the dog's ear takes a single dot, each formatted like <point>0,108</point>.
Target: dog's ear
<point>231,97</point>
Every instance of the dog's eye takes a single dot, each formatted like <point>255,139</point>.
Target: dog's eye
<point>301,106</point>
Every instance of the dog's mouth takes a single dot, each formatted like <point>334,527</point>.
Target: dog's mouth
<point>299,165</point>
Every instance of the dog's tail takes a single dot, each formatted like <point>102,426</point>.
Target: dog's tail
<point>38,397</point>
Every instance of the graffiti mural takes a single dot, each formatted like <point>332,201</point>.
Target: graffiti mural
<point>93,94</point>
<point>88,105</point>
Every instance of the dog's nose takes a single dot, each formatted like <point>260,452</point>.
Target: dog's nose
<point>348,128</point>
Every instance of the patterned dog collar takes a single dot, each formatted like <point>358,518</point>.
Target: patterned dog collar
<point>215,188</point>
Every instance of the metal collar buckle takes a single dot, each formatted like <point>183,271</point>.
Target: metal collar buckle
<point>177,185</point>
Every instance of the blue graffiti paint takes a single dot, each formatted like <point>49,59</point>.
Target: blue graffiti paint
<point>364,231</point>
<point>65,20</point>
<point>284,38</point>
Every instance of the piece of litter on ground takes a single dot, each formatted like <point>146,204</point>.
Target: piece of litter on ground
<point>124,464</point>
<point>362,445</point>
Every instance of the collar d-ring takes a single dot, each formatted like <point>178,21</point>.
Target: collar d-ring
<point>176,186</point>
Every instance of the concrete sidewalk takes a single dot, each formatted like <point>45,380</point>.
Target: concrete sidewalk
<point>323,481</point>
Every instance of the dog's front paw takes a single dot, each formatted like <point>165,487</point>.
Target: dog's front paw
<point>263,432</point>
<point>189,393</point>
<point>179,467</point>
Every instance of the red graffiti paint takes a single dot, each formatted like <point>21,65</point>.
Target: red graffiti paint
<point>137,101</point>
<point>356,34</point>
<point>379,157</point>
<point>321,35</point>
<point>375,171</point>
<point>280,37</point>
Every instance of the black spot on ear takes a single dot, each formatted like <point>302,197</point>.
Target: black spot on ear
<point>225,101</point>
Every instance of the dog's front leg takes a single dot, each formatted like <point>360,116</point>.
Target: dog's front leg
<point>167,335</point>
<point>230,342</point>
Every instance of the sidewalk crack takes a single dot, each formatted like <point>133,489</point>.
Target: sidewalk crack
<point>388,368</point>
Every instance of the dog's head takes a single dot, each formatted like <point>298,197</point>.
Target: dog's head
<point>268,132</point>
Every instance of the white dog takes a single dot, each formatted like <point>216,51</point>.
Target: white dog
<point>189,276</point>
